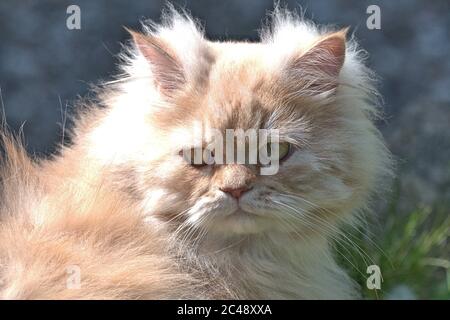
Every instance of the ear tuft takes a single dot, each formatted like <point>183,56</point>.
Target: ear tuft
<point>167,69</point>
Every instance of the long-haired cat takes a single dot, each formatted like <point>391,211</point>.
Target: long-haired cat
<point>124,209</point>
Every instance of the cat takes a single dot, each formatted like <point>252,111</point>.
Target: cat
<point>138,221</point>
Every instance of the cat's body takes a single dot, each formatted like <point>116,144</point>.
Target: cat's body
<point>121,204</point>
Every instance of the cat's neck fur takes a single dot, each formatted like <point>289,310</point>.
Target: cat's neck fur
<point>273,266</point>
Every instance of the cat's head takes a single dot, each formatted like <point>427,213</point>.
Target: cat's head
<point>310,86</point>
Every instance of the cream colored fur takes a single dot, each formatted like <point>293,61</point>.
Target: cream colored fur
<point>140,223</point>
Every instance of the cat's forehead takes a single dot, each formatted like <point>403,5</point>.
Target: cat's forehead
<point>236,92</point>
<point>237,112</point>
<point>239,67</point>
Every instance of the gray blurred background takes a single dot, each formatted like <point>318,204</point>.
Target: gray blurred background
<point>44,67</point>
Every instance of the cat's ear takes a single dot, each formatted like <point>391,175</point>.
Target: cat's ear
<point>166,68</point>
<point>317,69</point>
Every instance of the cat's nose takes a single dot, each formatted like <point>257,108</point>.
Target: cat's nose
<point>236,192</point>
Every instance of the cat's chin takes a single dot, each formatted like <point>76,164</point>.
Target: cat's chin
<point>240,222</point>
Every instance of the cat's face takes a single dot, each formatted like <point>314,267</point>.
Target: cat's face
<point>323,141</point>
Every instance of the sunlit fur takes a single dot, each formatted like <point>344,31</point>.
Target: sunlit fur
<point>121,201</point>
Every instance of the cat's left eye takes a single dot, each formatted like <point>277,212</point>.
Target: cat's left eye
<point>284,150</point>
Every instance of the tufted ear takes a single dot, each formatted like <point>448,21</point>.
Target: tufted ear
<point>166,67</point>
<point>317,69</point>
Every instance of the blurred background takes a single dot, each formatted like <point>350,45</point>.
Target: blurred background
<point>44,66</point>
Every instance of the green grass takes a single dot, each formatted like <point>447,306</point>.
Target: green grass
<point>411,249</point>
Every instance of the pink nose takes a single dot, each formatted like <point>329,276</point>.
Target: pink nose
<point>235,192</point>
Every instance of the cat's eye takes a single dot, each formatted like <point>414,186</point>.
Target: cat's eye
<point>284,150</point>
